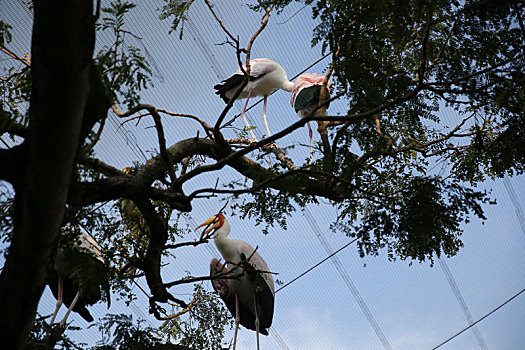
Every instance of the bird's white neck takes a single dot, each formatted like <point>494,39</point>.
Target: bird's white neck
<point>226,246</point>
<point>287,86</point>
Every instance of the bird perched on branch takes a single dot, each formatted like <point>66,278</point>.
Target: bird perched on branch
<point>78,276</point>
<point>305,98</point>
<point>265,76</point>
<point>245,284</point>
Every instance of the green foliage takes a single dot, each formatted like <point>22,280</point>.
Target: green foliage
<point>126,71</point>
<point>177,9</point>
<point>205,326</point>
<point>6,222</point>
<point>120,332</point>
<point>42,334</point>
<point>419,221</point>
<point>245,131</point>
<point>418,59</point>
<point>269,206</point>
<point>14,91</point>
<point>5,33</point>
<point>391,49</point>
<point>495,154</point>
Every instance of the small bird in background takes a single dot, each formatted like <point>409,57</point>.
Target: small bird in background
<point>247,286</point>
<point>78,276</point>
<point>265,76</point>
<point>305,98</point>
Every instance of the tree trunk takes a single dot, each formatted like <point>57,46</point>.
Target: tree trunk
<point>62,49</point>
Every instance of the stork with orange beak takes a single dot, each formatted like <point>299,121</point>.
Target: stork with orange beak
<point>247,288</point>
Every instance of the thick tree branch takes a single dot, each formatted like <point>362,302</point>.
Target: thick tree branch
<point>13,163</point>
<point>63,32</point>
<point>158,238</point>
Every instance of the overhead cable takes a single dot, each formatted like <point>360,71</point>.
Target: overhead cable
<point>481,319</point>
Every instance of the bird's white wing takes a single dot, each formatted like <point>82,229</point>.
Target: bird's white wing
<point>259,67</point>
<point>257,263</point>
<point>221,284</point>
<point>88,245</point>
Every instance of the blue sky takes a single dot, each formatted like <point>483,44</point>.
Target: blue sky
<point>414,306</point>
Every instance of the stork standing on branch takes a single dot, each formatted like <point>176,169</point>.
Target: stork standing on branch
<point>247,288</point>
<point>305,98</point>
<point>265,76</point>
<point>78,275</point>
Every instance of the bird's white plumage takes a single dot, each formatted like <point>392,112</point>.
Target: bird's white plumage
<point>255,296</point>
<point>83,243</point>
<point>88,245</point>
<point>265,76</point>
<point>78,273</point>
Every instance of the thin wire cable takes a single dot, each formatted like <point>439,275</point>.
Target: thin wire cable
<point>292,16</point>
<point>349,283</point>
<point>481,319</point>
<point>514,199</point>
<point>316,265</point>
<point>129,137</point>
<point>462,303</point>
<point>277,337</point>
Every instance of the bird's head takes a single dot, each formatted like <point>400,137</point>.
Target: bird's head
<point>127,170</point>
<point>217,224</point>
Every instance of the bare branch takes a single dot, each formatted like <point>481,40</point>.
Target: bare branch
<point>160,133</point>
<point>210,6</point>
<point>92,144</point>
<point>25,60</point>
<point>185,244</point>
<point>207,128</point>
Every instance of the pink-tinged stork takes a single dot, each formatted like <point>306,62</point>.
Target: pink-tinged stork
<point>78,274</point>
<point>247,288</point>
<point>305,98</point>
<point>265,76</point>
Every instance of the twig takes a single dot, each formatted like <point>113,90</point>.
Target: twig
<point>160,133</point>
<point>185,310</point>
<point>185,164</point>
<point>207,128</point>
<point>219,21</point>
<point>25,60</point>
<point>322,126</point>
<point>449,35</point>
<point>92,144</point>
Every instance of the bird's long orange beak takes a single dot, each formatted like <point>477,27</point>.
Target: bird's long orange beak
<point>211,224</point>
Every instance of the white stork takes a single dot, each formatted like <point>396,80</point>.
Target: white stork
<point>78,274</point>
<point>305,98</point>
<point>265,76</point>
<point>247,290</point>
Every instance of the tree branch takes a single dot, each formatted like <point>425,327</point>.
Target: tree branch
<point>62,29</point>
